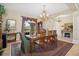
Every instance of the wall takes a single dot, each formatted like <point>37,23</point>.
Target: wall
<point>15,16</point>
<point>76,27</point>
<point>67,19</point>
<point>53,24</point>
<point>63,20</point>
<point>73,18</point>
<point>48,24</point>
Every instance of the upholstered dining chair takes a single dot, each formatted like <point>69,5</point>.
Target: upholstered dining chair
<point>25,45</point>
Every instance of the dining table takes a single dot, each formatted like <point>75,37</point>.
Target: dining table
<point>32,39</point>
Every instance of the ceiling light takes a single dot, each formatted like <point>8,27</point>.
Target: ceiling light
<point>44,14</point>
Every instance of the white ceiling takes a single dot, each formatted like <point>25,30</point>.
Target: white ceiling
<point>35,9</point>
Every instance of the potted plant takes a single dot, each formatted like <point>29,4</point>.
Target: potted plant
<point>1,51</point>
<point>2,11</point>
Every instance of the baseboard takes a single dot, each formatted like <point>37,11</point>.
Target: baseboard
<point>75,41</point>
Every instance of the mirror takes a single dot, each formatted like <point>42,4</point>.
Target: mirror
<point>29,27</point>
<point>26,26</point>
<point>10,25</point>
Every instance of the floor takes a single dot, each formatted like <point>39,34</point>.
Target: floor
<point>74,51</point>
<point>7,51</point>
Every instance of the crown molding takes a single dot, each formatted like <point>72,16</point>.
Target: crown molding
<point>71,9</point>
<point>72,6</point>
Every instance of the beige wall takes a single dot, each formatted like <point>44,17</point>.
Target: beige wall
<point>53,24</point>
<point>15,16</point>
<point>67,19</point>
<point>50,24</point>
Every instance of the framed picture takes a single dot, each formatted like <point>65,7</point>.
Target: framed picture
<point>10,25</point>
<point>68,26</point>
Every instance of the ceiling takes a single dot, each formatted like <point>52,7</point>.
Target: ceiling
<point>35,9</point>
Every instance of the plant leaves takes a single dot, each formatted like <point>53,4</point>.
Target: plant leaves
<point>2,10</point>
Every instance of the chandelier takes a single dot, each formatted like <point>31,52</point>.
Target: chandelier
<point>44,14</point>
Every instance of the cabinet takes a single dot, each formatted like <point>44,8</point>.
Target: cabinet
<point>11,37</point>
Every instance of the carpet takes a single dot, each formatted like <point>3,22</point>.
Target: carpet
<point>61,50</point>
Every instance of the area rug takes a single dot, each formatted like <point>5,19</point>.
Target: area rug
<point>61,50</point>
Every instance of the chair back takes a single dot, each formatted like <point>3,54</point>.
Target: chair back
<point>25,44</point>
<point>50,33</point>
<point>42,37</point>
<point>54,33</point>
<point>50,37</point>
<point>42,34</point>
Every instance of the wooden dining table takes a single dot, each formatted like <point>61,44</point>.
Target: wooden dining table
<point>33,39</point>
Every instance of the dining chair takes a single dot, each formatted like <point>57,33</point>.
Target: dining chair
<point>55,37</point>
<point>41,40</point>
<point>50,38</point>
<point>25,45</point>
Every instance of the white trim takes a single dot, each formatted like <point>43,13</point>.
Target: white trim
<point>75,41</point>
